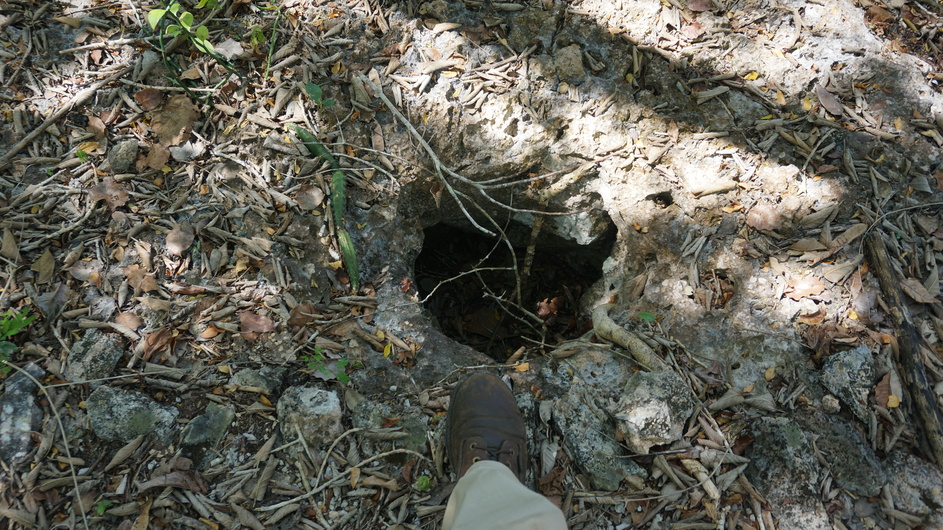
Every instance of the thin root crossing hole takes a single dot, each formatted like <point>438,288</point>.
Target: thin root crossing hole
<point>481,292</point>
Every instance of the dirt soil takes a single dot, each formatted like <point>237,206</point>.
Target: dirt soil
<point>173,216</point>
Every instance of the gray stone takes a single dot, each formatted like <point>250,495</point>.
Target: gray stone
<point>850,375</point>
<point>94,356</point>
<point>122,156</point>
<point>568,62</point>
<point>121,415</point>
<point>783,468</point>
<point>853,464</point>
<point>19,415</point>
<point>370,415</point>
<point>590,438</point>
<point>206,430</point>
<point>654,409</point>
<point>268,378</point>
<point>916,487</point>
<point>313,412</point>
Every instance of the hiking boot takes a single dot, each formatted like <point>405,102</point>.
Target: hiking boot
<point>484,423</point>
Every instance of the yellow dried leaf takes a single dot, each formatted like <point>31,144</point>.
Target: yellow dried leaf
<point>752,76</point>
<point>806,104</point>
<point>893,401</point>
<point>770,373</point>
<point>749,388</point>
<point>523,367</point>
<point>387,350</point>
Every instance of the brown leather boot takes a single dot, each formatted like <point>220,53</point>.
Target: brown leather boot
<point>484,423</point>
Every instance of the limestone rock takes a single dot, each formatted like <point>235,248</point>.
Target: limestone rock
<point>916,487</point>
<point>370,414</point>
<point>122,156</point>
<point>94,356</point>
<point>206,430</point>
<point>850,375</point>
<point>783,468</point>
<point>853,464</point>
<point>569,64</point>
<point>19,415</point>
<point>590,437</point>
<point>121,415</point>
<point>313,412</point>
<point>654,409</point>
<point>268,378</point>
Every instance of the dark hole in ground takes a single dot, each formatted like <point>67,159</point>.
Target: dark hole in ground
<point>474,288</point>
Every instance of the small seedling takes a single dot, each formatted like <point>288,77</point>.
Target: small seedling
<point>647,317</point>
<point>423,483</point>
<point>10,324</point>
<point>317,362</point>
<point>102,506</point>
<point>317,95</point>
<point>81,155</point>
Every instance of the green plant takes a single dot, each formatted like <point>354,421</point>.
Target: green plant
<point>318,362</point>
<point>81,155</point>
<point>317,95</point>
<point>181,24</point>
<point>173,21</point>
<point>423,483</point>
<point>10,324</point>
<point>647,317</point>
<point>102,506</point>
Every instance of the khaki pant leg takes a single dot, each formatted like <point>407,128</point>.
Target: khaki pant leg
<point>489,497</point>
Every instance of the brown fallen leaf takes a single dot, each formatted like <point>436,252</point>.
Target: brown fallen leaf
<point>309,197</point>
<point>129,320</point>
<point>828,100</point>
<point>700,6</point>
<point>180,238</point>
<point>882,391</point>
<point>189,480</point>
<point>149,98</point>
<point>157,156</point>
<point>44,267</point>
<point>9,248</point>
<point>174,120</point>
<point>111,192</point>
<point>301,315</point>
<point>157,342</point>
<point>807,287</point>
<point>140,279</point>
<point>917,291</point>
<point>252,325</point>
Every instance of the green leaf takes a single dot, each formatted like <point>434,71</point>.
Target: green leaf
<point>6,349</point>
<point>204,45</point>
<point>342,377</point>
<point>174,30</point>
<point>186,19</point>
<point>102,506</point>
<point>12,323</point>
<point>341,364</point>
<point>202,32</point>
<point>338,195</point>
<point>174,8</point>
<point>202,4</point>
<point>314,92</point>
<point>327,102</point>
<point>154,16</point>
<point>349,255</point>
<point>81,155</point>
<point>647,317</point>
<point>423,483</point>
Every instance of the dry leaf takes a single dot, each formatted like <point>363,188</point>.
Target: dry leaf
<point>44,268</point>
<point>149,98</point>
<point>172,122</point>
<point>882,390</point>
<point>96,126</point>
<point>129,320</point>
<point>9,249</point>
<point>157,342</point>
<point>302,314</point>
<point>807,245</point>
<point>191,74</point>
<point>250,321</point>
<point>700,6</point>
<point>157,157</point>
<point>144,518</point>
<point>180,238</point>
<point>917,291</point>
<point>140,279</point>
<point>309,197</point>
<point>190,480</point>
<point>812,319</point>
<point>109,191</point>
<point>828,101</point>
<point>229,48</point>
<point>808,287</point>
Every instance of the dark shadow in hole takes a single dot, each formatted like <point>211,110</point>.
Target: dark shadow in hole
<point>460,273</point>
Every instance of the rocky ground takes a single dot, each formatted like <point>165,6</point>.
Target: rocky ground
<point>240,282</point>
